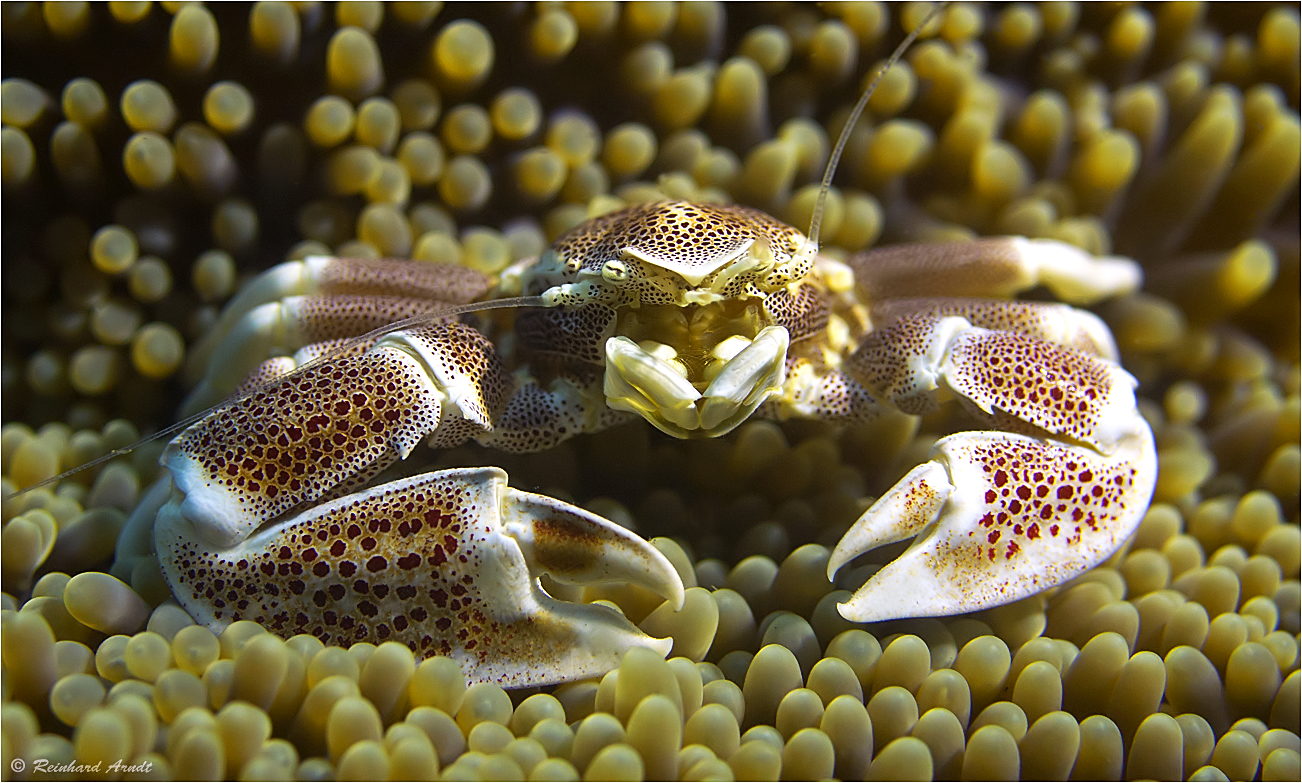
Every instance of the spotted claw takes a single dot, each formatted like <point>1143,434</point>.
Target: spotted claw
<point>997,517</point>
<point>447,562</point>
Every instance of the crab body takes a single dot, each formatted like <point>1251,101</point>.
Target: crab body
<point>694,317</point>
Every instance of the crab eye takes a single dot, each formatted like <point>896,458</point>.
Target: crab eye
<point>614,271</point>
<point>572,265</point>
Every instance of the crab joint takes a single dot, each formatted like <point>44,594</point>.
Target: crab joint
<point>654,385</point>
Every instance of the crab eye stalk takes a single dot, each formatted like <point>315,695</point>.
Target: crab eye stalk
<point>615,271</point>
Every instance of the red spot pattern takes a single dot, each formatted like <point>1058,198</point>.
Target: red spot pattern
<point>432,604</point>
<point>1033,381</point>
<point>286,444</point>
<point>1033,482</point>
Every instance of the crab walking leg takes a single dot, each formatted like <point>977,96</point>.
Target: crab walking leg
<point>445,562</point>
<point>999,515</point>
<point>325,276</point>
<point>996,267</point>
<point>288,324</point>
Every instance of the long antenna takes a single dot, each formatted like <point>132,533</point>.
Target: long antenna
<point>816,222</point>
<point>374,334</point>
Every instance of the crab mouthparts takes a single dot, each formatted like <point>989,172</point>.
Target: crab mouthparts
<point>648,379</point>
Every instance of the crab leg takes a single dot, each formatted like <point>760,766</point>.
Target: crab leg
<point>814,389</point>
<point>995,267</point>
<point>322,431</point>
<point>287,325</point>
<point>280,366</point>
<point>302,302</point>
<point>998,515</point>
<point>445,562</point>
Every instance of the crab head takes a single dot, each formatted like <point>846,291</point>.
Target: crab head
<point>688,307</point>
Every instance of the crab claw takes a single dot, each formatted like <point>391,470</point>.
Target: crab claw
<point>445,562</point>
<point>997,517</point>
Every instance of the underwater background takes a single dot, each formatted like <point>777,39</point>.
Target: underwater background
<point>155,156</point>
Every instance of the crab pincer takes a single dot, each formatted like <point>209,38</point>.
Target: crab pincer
<point>448,562</point>
<point>1003,514</point>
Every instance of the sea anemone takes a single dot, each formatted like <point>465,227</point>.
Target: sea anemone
<point>156,155</point>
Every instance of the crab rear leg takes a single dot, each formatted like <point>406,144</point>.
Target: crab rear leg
<point>996,267</point>
<point>303,302</point>
<point>326,276</point>
<point>999,515</point>
<point>445,562</point>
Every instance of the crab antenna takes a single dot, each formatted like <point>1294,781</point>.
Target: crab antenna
<point>415,320</point>
<point>817,220</point>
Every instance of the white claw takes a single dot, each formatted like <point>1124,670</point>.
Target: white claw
<point>575,546</point>
<point>1013,516</point>
<point>445,562</point>
<point>903,512</point>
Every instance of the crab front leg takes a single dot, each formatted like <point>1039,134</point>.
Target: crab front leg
<point>998,515</point>
<point>309,434</point>
<point>816,389</point>
<point>446,562</point>
<point>235,542</point>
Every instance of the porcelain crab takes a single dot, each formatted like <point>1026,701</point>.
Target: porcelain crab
<point>694,317</point>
